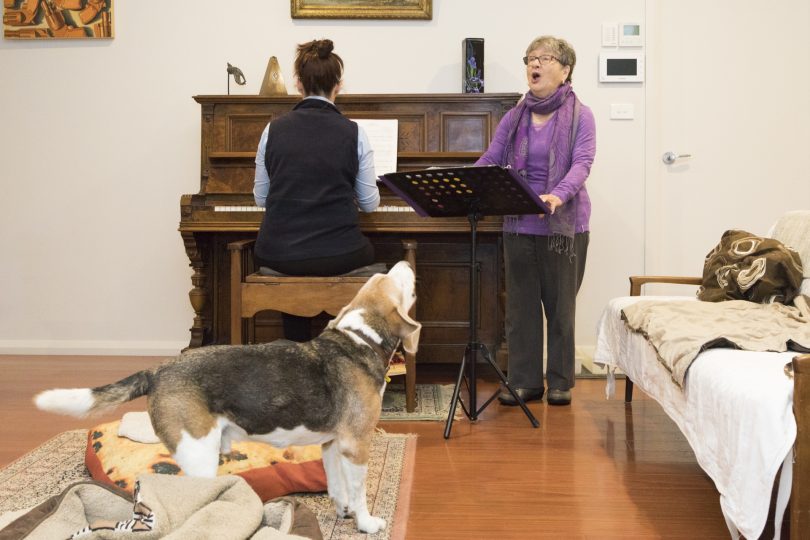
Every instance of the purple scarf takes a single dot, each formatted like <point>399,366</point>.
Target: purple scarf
<point>565,102</point>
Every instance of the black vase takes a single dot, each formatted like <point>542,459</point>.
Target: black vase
<point>472,66</point>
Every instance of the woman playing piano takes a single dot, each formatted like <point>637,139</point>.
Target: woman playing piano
<point>314,169</point>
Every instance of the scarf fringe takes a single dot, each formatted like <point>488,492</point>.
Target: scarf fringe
<point>561,244</point>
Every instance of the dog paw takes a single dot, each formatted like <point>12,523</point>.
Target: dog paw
<point>371,524</point>
<point>342,510</point>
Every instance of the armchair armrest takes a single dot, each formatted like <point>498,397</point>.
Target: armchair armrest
<point>637,281</point>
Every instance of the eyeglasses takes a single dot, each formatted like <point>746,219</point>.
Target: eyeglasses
<point>543,59</point>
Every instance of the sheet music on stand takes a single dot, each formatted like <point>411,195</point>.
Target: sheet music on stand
<point>450,192</point>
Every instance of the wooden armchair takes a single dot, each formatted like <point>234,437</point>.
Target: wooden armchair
<point>305,296</point>
<point>730,392</point>
<point>799,371</point>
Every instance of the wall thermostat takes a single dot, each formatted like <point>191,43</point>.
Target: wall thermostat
<point>621,66</point>
<point>630,35</point>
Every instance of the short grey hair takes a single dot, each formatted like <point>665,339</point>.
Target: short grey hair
<point>560,48</point>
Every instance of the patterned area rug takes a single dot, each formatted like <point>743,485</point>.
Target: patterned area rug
<point>432,403</point>
<point>50,468</point>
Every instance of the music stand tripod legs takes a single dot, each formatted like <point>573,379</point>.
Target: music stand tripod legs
<point>470,358</point>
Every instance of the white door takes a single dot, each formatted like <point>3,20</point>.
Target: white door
<point>728,82</point>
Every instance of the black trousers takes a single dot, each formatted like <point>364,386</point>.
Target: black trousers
<point>300,328</point>
<point>538,281</point>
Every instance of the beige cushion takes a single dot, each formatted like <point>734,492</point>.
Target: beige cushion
<point>793,230</point>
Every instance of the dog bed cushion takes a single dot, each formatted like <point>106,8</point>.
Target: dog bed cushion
<point>271,472</point>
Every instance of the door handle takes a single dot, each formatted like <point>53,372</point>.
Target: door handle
<point>670,157</point>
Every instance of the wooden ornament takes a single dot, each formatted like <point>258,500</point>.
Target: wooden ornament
<point>273,83</point>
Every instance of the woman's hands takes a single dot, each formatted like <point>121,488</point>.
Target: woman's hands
<point>552,201</point>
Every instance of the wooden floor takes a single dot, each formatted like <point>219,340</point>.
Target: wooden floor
<point>596,469</point>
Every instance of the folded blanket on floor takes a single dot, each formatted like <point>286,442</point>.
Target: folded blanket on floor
<point>166,506</point>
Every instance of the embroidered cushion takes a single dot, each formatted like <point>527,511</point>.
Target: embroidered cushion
<point>744,266</point>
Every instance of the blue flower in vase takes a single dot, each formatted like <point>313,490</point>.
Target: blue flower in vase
<point>473,82</point>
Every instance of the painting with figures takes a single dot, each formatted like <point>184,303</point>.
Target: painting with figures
<point>57,19</point>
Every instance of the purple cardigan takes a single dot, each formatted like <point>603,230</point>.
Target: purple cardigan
<point>570,187</point>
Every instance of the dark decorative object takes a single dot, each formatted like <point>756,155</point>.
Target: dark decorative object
<point>472,63</point>
<point>238,76</point>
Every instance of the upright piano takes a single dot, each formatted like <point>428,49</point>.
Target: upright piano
<point>433,130</point>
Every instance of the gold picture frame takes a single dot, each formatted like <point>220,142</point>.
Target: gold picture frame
<point>361,9</point>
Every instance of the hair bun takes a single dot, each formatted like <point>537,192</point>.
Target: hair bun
<point>324,47</point>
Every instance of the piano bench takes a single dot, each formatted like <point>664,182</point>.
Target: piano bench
<point>305,296</point>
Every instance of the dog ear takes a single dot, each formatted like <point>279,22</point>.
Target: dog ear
<point>408,331</point>
<point>333,323</point>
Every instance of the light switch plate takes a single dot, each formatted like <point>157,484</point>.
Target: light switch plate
<point>622,111</point>
<point>610,35</point>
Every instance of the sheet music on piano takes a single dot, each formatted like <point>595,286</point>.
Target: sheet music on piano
<point>383,136</point>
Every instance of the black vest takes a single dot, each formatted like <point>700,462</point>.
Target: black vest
<point>311,157</point>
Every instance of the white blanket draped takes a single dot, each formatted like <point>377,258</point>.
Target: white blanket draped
<point>736,411</point>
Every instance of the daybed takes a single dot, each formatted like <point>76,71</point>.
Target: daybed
<point>744,413</point>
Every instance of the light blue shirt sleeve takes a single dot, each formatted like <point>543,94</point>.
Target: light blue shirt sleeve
<point>261,179</point>
<point>365,186</point>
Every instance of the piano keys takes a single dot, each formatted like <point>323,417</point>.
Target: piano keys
<point>254,208</point>
<point>433,130</point>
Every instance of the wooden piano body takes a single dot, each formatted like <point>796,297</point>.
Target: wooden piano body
<point>434,130</point>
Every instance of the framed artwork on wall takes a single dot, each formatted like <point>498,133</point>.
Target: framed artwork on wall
<point>57,19</point>
<point>361,9</point>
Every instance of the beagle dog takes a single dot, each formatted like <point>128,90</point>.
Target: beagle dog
<point>326,391</point>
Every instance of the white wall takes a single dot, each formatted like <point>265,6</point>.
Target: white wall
<point>100,138</point>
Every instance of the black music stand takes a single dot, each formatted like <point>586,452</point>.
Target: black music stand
<point>473,192</point>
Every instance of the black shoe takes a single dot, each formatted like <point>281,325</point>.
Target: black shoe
<point>559,397</point>
<point>526,394</point>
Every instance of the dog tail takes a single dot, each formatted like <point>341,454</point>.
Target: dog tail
<point>88,401</point>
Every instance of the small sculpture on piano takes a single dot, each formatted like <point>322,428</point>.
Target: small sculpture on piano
<point>273,83</point>
<point>238,76</point>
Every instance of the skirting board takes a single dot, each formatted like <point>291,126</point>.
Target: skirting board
<point>93,348</point>
<point>584,353</point>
